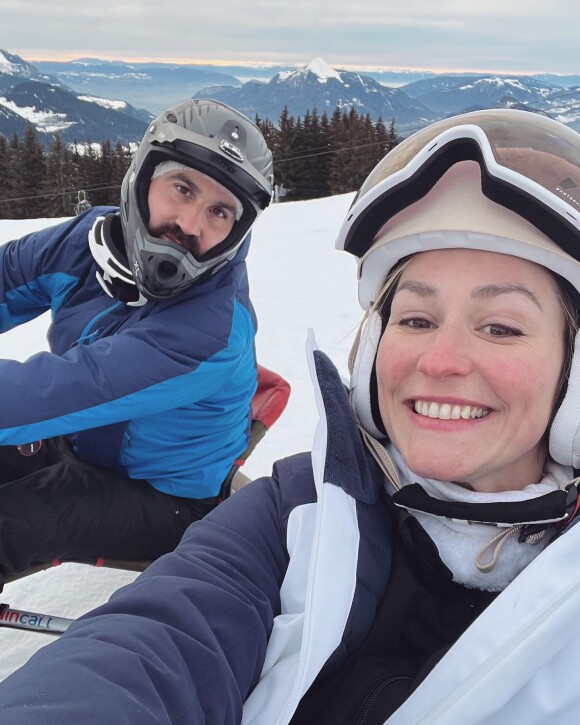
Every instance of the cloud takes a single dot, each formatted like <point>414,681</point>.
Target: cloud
<point>497,34</point>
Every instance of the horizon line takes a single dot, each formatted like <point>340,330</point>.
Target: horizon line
<point>60,57</point>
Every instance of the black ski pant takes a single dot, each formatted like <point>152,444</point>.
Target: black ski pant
<point>53,506</point>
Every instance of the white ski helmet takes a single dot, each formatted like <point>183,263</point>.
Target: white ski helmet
<point>505,181</point>
<point>218,141</point>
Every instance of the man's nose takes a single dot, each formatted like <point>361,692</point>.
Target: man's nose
<point>447,352</point>
<point>190,220</point>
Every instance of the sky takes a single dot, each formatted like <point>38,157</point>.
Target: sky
<point>525,36</point>
<point>296,237</point>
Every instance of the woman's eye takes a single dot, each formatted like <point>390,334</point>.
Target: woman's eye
<point>417,323</point>
<point>496,330</point>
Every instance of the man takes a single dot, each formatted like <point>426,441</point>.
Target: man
<point>143,402</point>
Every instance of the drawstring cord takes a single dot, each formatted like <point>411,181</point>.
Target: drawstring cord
<point>499,540</point>
<point>387,466</point>
<point>381,456</point>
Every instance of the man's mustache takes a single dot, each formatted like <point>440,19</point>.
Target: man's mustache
<point>176,234</point>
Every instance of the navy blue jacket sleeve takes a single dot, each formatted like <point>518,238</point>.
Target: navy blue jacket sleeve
<point>185,643</point>
<point>39,270</point>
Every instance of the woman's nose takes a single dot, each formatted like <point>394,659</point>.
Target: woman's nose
<point>446,352</point>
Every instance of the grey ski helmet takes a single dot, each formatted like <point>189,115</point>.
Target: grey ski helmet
<point>528,206</point>
<point>218,141</point>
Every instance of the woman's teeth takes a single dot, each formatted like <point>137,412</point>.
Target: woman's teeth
<point>447,411</point>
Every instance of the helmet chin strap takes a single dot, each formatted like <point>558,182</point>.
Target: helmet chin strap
<point>555,509</point>
<point>114,275</point>
<point>121,291</point>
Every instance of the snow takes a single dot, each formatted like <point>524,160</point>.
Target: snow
<point>320,68</point>
<point>104,102</point>
<point>43,121</point>
<point>298,280</point>
<point>496,81</point>
<point>4,62</point>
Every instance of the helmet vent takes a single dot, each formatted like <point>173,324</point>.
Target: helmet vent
<point>166,270</point>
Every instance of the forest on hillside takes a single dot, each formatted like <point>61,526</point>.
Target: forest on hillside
<point>314,156</point>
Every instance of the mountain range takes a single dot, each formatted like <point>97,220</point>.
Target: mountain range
<point>318,85</point>
<point>154,86</point>
<point>90,99</point>
<point>412,106</point>
<point>31,97</point>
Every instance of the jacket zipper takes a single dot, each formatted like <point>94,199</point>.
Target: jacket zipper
<point>372,697</point>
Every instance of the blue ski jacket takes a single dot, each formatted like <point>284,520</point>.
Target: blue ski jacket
<point>159,392</point>
<point>282,582</point>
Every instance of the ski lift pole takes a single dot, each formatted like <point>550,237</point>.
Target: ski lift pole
<point>32,621</point>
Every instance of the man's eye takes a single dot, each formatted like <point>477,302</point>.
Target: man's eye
<point>220,213</point>
<point>183,190</point>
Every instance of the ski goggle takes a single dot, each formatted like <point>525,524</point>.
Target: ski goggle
<point>529,163</point>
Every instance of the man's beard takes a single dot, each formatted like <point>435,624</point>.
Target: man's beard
<point>176,234</point>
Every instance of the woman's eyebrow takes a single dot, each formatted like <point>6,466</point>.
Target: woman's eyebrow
<point>424,289</point>
<point>487,291</point>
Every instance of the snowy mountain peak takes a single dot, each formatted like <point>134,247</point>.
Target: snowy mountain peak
<point>320,68</point>
<point>12,64</point>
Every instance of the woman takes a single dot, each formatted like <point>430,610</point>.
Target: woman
<point>416,572</point>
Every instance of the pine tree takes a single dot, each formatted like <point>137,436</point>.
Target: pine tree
<point>284,167</point>
<point>121,162</point>
<point>105,165</point>
<point>26,176</point>
<point>60,180</point>
<point>315,149</point>
<point>89,172</point>
<point>5,186</point>
<point>367,151</point>
<point>392,138</point>
<point>32,171</point>
<point>348,137</point>
<point>269,131</point>
<point>381,139</point>
<point>12,208</point>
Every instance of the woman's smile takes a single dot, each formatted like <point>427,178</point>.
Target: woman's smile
<point>449,411</point>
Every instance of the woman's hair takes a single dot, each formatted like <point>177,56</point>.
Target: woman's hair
<point>570,301</point>
<point>567,294</point>
<point>382,305</point>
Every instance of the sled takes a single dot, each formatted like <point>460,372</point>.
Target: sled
<point>268,403</point>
